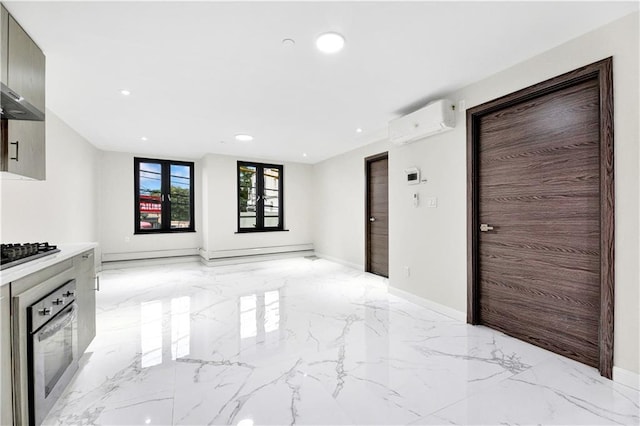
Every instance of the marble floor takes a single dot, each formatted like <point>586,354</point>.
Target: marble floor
<point>308,341</point>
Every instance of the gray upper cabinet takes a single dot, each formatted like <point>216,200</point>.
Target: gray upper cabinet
<point>22,69</point>
<point>4,43</point>
<point>26,65</point>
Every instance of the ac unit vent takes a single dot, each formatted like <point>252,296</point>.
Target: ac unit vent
<point>437,117</point>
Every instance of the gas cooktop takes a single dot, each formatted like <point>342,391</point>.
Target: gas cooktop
<point>16,254</point>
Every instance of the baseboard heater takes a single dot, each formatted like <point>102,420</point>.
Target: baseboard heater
<point>257,253</point>
<point>213,256</point>
<point>151,254</point>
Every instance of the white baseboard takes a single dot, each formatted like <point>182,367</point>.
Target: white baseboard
<point>151,254</point>
<point>429,304</point>
<point>340,261</point>
<point>626,377</point>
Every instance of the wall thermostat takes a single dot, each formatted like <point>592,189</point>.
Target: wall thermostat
<point>413,175</point>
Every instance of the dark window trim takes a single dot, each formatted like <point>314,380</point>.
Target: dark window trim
<point>260,203</point>
<point>165,186</point>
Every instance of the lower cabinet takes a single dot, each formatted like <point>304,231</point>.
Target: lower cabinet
<point>15,297</point>
<point>84,265</point>
<point>6,401</point>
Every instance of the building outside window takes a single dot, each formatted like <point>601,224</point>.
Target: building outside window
<point>163,196</point>
<point>260,195</point>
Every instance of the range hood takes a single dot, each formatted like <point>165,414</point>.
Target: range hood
<point>15,107</point>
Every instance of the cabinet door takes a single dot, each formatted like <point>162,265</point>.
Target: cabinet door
<point>26,66</point>
<point>26,148</point>
<point>25,74</point>
<point>6,414</point>
<point>85,298</point>
<point>4,43</point>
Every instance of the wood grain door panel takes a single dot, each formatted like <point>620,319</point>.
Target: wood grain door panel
<point>542,162</point>
<point>377,181</point>
<point>536,177</point>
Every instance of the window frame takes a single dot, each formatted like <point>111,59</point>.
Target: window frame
<point>260,167</point>
<point>165,189</point>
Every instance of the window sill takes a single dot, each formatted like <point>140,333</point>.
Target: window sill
<point>171,231</point>
<point>251,231</point>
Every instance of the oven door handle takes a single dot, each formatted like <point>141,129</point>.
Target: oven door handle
<point>59,322</point>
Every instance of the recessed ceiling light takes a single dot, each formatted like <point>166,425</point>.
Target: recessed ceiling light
<point>244,138</point>
<point>144,138</point>
<point>358,130</point>
<point>288,42</point>
<point>330,42</point>
<point>304,154</point>
<point>125,92</point>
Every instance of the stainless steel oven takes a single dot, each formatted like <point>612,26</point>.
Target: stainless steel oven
<point>52,348</point>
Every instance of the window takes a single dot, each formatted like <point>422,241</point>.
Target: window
<point>259,197</point>
<point>163,196</point>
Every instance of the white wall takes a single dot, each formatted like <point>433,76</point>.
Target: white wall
<point>62,208</point>
<point>220,195</point>
<point>117,206</point>
<point>432,242</point>
<point>339,205</point>
<point>215,212</point>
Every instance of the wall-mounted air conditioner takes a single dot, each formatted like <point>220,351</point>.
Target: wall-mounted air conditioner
<point>437,117</point>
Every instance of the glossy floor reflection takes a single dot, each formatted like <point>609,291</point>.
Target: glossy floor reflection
<point>302,341</point>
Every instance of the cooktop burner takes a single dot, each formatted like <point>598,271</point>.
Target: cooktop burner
<point>15,254</point>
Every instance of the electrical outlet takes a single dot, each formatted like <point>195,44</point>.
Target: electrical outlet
<point>407,271</point>
<point>432,202</point>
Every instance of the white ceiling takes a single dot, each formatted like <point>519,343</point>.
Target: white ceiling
<point>201,72</point>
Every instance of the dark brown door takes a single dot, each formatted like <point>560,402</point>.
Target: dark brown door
<point>539,219</point>
<point>377,219</point>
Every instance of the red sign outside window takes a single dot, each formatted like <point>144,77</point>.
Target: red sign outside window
<point>150,204</point>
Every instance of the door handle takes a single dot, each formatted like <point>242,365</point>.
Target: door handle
<point>15,96</point>
<point>17,144</point>
<point>484,227</point>
<point>372,219</point>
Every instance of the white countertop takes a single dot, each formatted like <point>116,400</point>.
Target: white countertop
<point>67,251</point>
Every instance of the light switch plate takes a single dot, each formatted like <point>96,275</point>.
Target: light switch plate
<point>432,202</point>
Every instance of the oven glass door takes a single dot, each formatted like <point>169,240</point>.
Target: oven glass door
<point>53,360</point>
